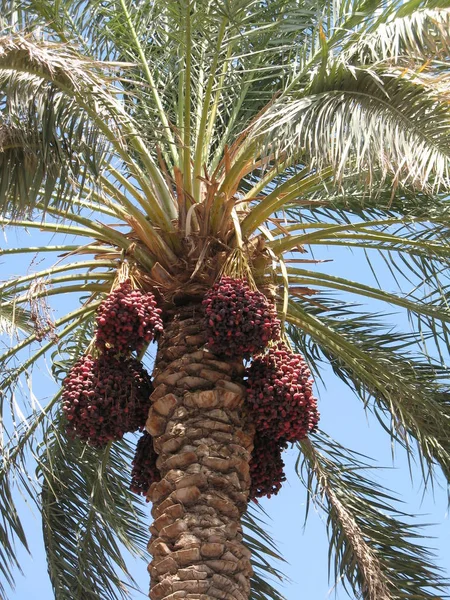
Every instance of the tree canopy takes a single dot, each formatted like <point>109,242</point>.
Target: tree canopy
<point>177,135</point>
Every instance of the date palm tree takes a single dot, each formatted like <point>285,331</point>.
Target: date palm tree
<point>184,139</point>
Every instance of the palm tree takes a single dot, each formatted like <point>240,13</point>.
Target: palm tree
<point>177,141</point>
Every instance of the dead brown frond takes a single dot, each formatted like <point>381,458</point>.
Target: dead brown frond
<point>43,323</point>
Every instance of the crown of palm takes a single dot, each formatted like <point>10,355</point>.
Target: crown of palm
<point>208,128</point>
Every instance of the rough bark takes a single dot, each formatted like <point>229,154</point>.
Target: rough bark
<point>204,445</point>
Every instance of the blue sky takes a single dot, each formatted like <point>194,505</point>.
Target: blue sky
<point>304,546</point>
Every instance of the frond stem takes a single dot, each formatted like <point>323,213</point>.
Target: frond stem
<point>84,310</point>
<point>283,194</point>
<point>145,65</point>
<point>202,144</point>
<point>187,104</point>
<point>12,283</point>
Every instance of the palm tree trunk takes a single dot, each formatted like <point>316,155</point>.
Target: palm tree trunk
<point>204,445</point>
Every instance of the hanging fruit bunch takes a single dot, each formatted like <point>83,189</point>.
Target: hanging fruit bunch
<point>127,320</point>
<point>105,397</point>
<point>107,392</point>
<point>279,394</point>
<point>240,321</point>
<point>144,471</point>
<point>283,409</point>
<point>266,467</point>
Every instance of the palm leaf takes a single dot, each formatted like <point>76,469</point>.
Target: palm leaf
<point>14,478</point>
<point>47,140</point>
<point>11,530</point>
<point>13,318</point>
<point>374,550</point>
<point>406,390</point>
<point>27,65</point>
<point>421,34</point>
<point>84,489</point>
<point>20,442</point>
<point>264,552</point>
<point>412,247</point>
<point>348,117</point>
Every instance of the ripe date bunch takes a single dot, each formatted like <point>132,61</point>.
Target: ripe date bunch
<point>239,321</point>
<point>144,471</point>
<point>127,320</point>
<point>104,398</point>
<point>266,467</point>
<point>279,393</point>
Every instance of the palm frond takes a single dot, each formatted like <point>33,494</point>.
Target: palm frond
<point>238,52</point>
<point>86,508</point>
<point>13,373</point>
<point>17,448</point>
<point>415,253</point>
<point>26,64</point>
<point>422,34</point>
<point>328,202</point>
<point>419,246</point>
<point>374,550</point>
<point>407,390</point>
<point>94,483</point>
<point>13,318</point>
<point>264,553</point>
<point>47,140</point>
<point>11,531</point>
<point>366,120</point>
<point>410,238</point>
<point>63,248</point>
<point>424,309</point>
<point>10,286</point>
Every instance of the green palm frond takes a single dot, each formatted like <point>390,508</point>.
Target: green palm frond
<point>427,312</point>
<point>420,35</point>
<point>328,203</point>
<point>21,436</point>
<point>26,440</point>
<point>25,63</point>
<point>407,390</point>
<point>266,43</point>
<point>15,366</point>
<point>84,489</point>
<point>13,318</point>
<point>11,531</point>
<point>374,550</point>
<point>424,309</point>
<point>347,116</point>
<point>47,140</point>
<point>16,449</point>
<point>413,248</point>
<point>264,553</point>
